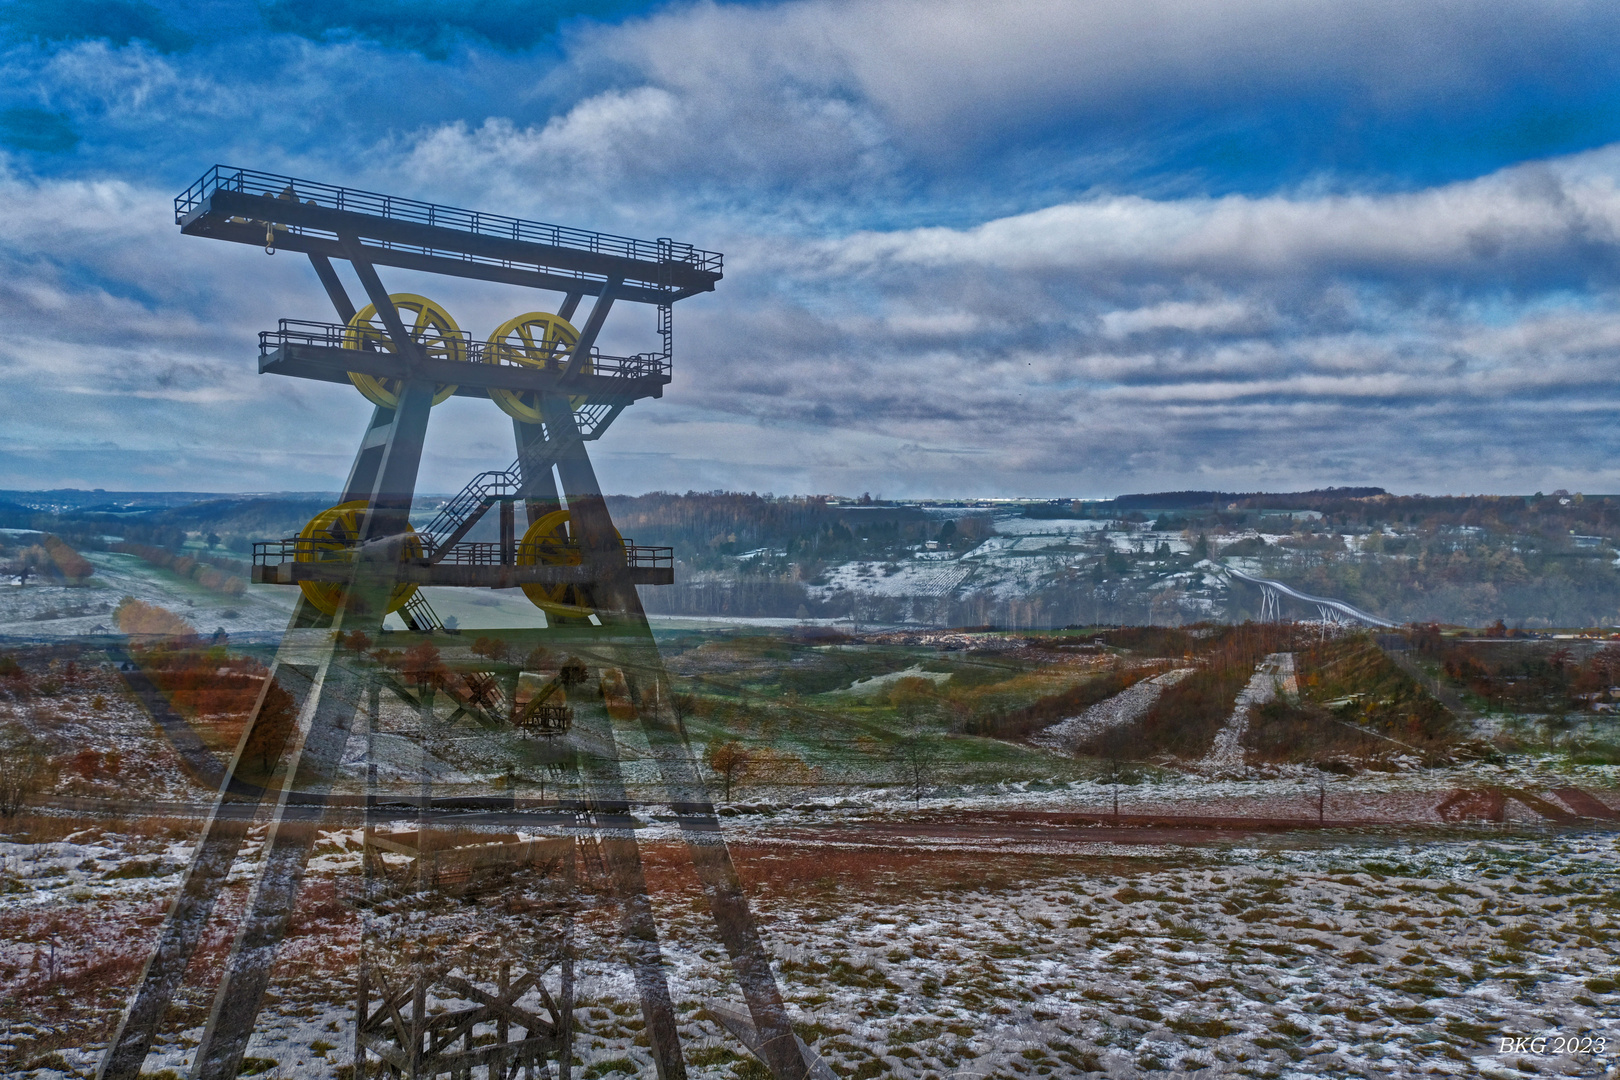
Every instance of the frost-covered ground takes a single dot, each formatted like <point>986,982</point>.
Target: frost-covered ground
<point>105,741</point>
<point>1341,955</point>
<point>1345,960</point>
<point>978,933</point>
<point>45,610</point>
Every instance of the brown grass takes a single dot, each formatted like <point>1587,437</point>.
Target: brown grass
<point>1282,731</point>
<point>1047,710</point>
<point>786,872</point>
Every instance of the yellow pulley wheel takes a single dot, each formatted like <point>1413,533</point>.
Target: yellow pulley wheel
<point>548,543</point>
<point>429,325</point>
<point>332,536</point>
<point>537,339</point>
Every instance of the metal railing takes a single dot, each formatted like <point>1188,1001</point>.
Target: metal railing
<point>466,553</point>
<point>545,719</point>
<point>250,182</point>
<point>307,549</point>
<point>649,558</point>
<point>460,346</point>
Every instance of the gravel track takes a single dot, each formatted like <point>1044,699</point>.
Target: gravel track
<point>1120,709</point>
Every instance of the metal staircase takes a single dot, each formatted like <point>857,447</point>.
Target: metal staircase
<point>419,615</point>
<point>457,517</point>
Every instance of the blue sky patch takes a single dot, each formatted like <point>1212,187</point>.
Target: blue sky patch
<point>118,22</point>
<point>1064,249</point>
<point>435,28</point>
<point>37,131</point>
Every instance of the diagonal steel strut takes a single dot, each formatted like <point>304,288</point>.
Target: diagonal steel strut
<point>626,624</point>
<point>323,691</point>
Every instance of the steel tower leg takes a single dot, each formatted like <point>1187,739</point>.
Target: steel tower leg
<point>216,851</point>
<point>325,721</point>
<point>294,671</point>
<point>324,729</point>
<point>539,491</point>
<point>625,623</point>
<point>324,694</point>
<point>610,819</point>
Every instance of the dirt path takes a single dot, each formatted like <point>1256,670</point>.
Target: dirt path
<point>1276,672</point>
<point>1118,710</point>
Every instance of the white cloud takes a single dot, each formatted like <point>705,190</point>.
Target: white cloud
<point>1526,213</point>
<point>1106,339</point>
<point>1180,315</point>
<point>947,73</point>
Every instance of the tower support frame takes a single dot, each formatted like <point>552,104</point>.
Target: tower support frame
<point>329,682</point>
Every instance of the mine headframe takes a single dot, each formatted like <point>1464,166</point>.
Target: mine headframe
<point>531,359</point>
<point>361,559</point>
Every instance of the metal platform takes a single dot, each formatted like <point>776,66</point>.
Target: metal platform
<point>470,565</point>
<point>315,350</point>
<point>248,207</point>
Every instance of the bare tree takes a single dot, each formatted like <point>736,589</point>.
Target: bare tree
<point>917,759</point>
<point>573,673</point>
<point>729,760</point>
<point>25,769</point>
<point>277,716</point>
<point>683,706</point>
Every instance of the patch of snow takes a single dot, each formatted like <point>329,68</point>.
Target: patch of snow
<point>878,682</point>
<point>1116,711</point>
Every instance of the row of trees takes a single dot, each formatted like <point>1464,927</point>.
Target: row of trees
<point>914,759</point>
<point>51,557</point>
<point>214,573</point>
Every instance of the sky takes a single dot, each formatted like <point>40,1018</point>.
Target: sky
<point>1016,249</point>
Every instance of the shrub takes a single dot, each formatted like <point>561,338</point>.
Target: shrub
<point>138,618</point>
<point>493,649</point>
<point>1186,716</point>
<point>1020,723</point>
<point>73,566</point>
<point>210,571</point>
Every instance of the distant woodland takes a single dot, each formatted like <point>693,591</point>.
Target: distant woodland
<point>1530,561</point>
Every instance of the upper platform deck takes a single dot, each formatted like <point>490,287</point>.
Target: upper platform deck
<point>241,205</point>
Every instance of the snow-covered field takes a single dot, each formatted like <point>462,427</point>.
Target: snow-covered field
<point>1024,556</point>
<point>43,610</point>
<point>911,578</point>
<point>1344,956</point>
<point>1346,960</point>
